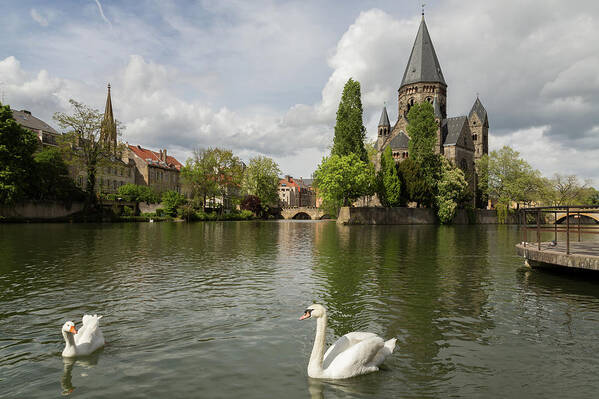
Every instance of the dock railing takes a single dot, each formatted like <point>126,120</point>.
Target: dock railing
<point>574,220</point>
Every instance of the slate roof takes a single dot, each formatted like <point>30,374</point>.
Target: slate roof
<point>384,121</point>
<point>451,129</point>
<point>153,158</point>
<point>400,141</point>
<point>480,111</point>
<point>423,65</point>
<point>25,119</point>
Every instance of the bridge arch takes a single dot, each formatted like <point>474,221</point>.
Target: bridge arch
<point>584,219</point>
<point>301,216</point>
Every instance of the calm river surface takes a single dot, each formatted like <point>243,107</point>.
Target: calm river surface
<point>211,310</point>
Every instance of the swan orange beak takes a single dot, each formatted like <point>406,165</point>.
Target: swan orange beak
<point>305,316</point>
<point>72,330</point>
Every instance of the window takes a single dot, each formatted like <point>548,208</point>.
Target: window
<point>474,137</point>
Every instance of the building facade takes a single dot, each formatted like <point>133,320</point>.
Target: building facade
<point>156,170</point>
<point>48,137</point>
<point>462,139</point>
<point>296,192</point>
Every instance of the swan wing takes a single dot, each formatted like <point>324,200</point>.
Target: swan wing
<point>344,343</point>
<point>356,359</point>
<point>90,332</point>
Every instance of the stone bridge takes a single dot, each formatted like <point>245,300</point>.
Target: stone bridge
<point>585,218</point>
<point>304,213</point>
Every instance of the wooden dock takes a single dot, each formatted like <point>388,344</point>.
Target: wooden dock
<point>570,250</point>
<point>583,255</point>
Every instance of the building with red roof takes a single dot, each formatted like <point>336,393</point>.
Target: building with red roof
<point>157,170</point>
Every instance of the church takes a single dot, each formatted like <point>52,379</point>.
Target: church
<point>461,139</point>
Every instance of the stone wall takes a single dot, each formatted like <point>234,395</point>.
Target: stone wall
<point>378,215</point>
<point>40,210</point>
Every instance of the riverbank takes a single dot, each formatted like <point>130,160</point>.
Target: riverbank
<point>403,215</point>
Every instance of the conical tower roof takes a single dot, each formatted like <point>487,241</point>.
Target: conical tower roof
<point>384,121</point>
<point>480,111</point>
<point>423,65</point>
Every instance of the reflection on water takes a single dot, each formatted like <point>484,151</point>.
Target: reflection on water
<point>66,380</point>
<point>210,309</point>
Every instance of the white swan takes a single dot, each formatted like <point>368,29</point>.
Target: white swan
<point>353,354</point>
<point>88,339</point>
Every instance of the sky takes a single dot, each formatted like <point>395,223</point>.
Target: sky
<point>265,77</point>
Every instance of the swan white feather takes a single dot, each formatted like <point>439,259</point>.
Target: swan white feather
<point>87,340</point>
<point>353,354</point>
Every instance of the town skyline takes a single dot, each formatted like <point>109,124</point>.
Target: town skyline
<point>266,79</point>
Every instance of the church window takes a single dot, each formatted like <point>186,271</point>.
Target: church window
<point>474,137</point>
<point>429,100</point>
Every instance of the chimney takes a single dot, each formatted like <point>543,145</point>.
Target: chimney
<point>164,155</point>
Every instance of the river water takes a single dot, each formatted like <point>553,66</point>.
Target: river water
<point>211,310</point>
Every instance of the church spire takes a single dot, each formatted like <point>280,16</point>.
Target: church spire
<point>384,121</point>
<point>423,65</point>
<point>108,129</point>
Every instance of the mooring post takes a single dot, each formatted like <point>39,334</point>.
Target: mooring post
<point>555,226</point>
<point>538,229</point>
<point>578,226</point>
<point>525,228</point>
<point>567,231</point>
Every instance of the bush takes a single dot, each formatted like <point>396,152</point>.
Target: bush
<point>253,204</point>
<point>171,200</point>
<point>160,212</point>
<point>128,211</point>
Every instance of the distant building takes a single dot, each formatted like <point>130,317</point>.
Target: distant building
<point>45,133</point>
<point>155,169</point>
<point>296,192</point>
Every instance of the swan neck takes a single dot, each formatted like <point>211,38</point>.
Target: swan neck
<point>317,355</point>
<point>69,339</point>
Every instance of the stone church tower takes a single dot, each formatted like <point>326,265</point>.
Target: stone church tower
<point>108,128</point>
<point>461,139</point>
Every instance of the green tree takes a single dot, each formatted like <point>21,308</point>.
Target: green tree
<point>17,146</point>
<point>82,145</point>
<point>137,193</point>
<point>171,200</point>
<point>51,177</point>
<point>452,190</point>
<point>349,129</point>
<point>261,179</point>
<point>512,179</point>
<point>415,186</point>
<point>341,180</point>
<point>388,182</point>
<point>211,173</point>
<point>422,130</point>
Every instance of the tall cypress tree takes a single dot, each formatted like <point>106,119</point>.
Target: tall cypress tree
<point>349,129</point>
<point>388,182</point>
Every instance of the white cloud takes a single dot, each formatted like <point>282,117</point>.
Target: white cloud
<point>39,18</point>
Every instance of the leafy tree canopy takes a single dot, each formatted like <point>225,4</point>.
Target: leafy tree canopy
<point>349,129</point>
<point>137,193</point>
<point>82,145</point>
<point>171,200</point>
<point>452,190</point>
<point>261,178</point>
<point>343,179</point>
<point>422,130</point>
<point>511,179</point>
<point>17,146</point>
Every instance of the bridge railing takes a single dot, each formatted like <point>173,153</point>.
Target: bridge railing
<point>535,220</point>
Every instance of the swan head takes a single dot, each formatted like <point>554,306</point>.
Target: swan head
<point>314,310</point>
<point>69,327</point>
